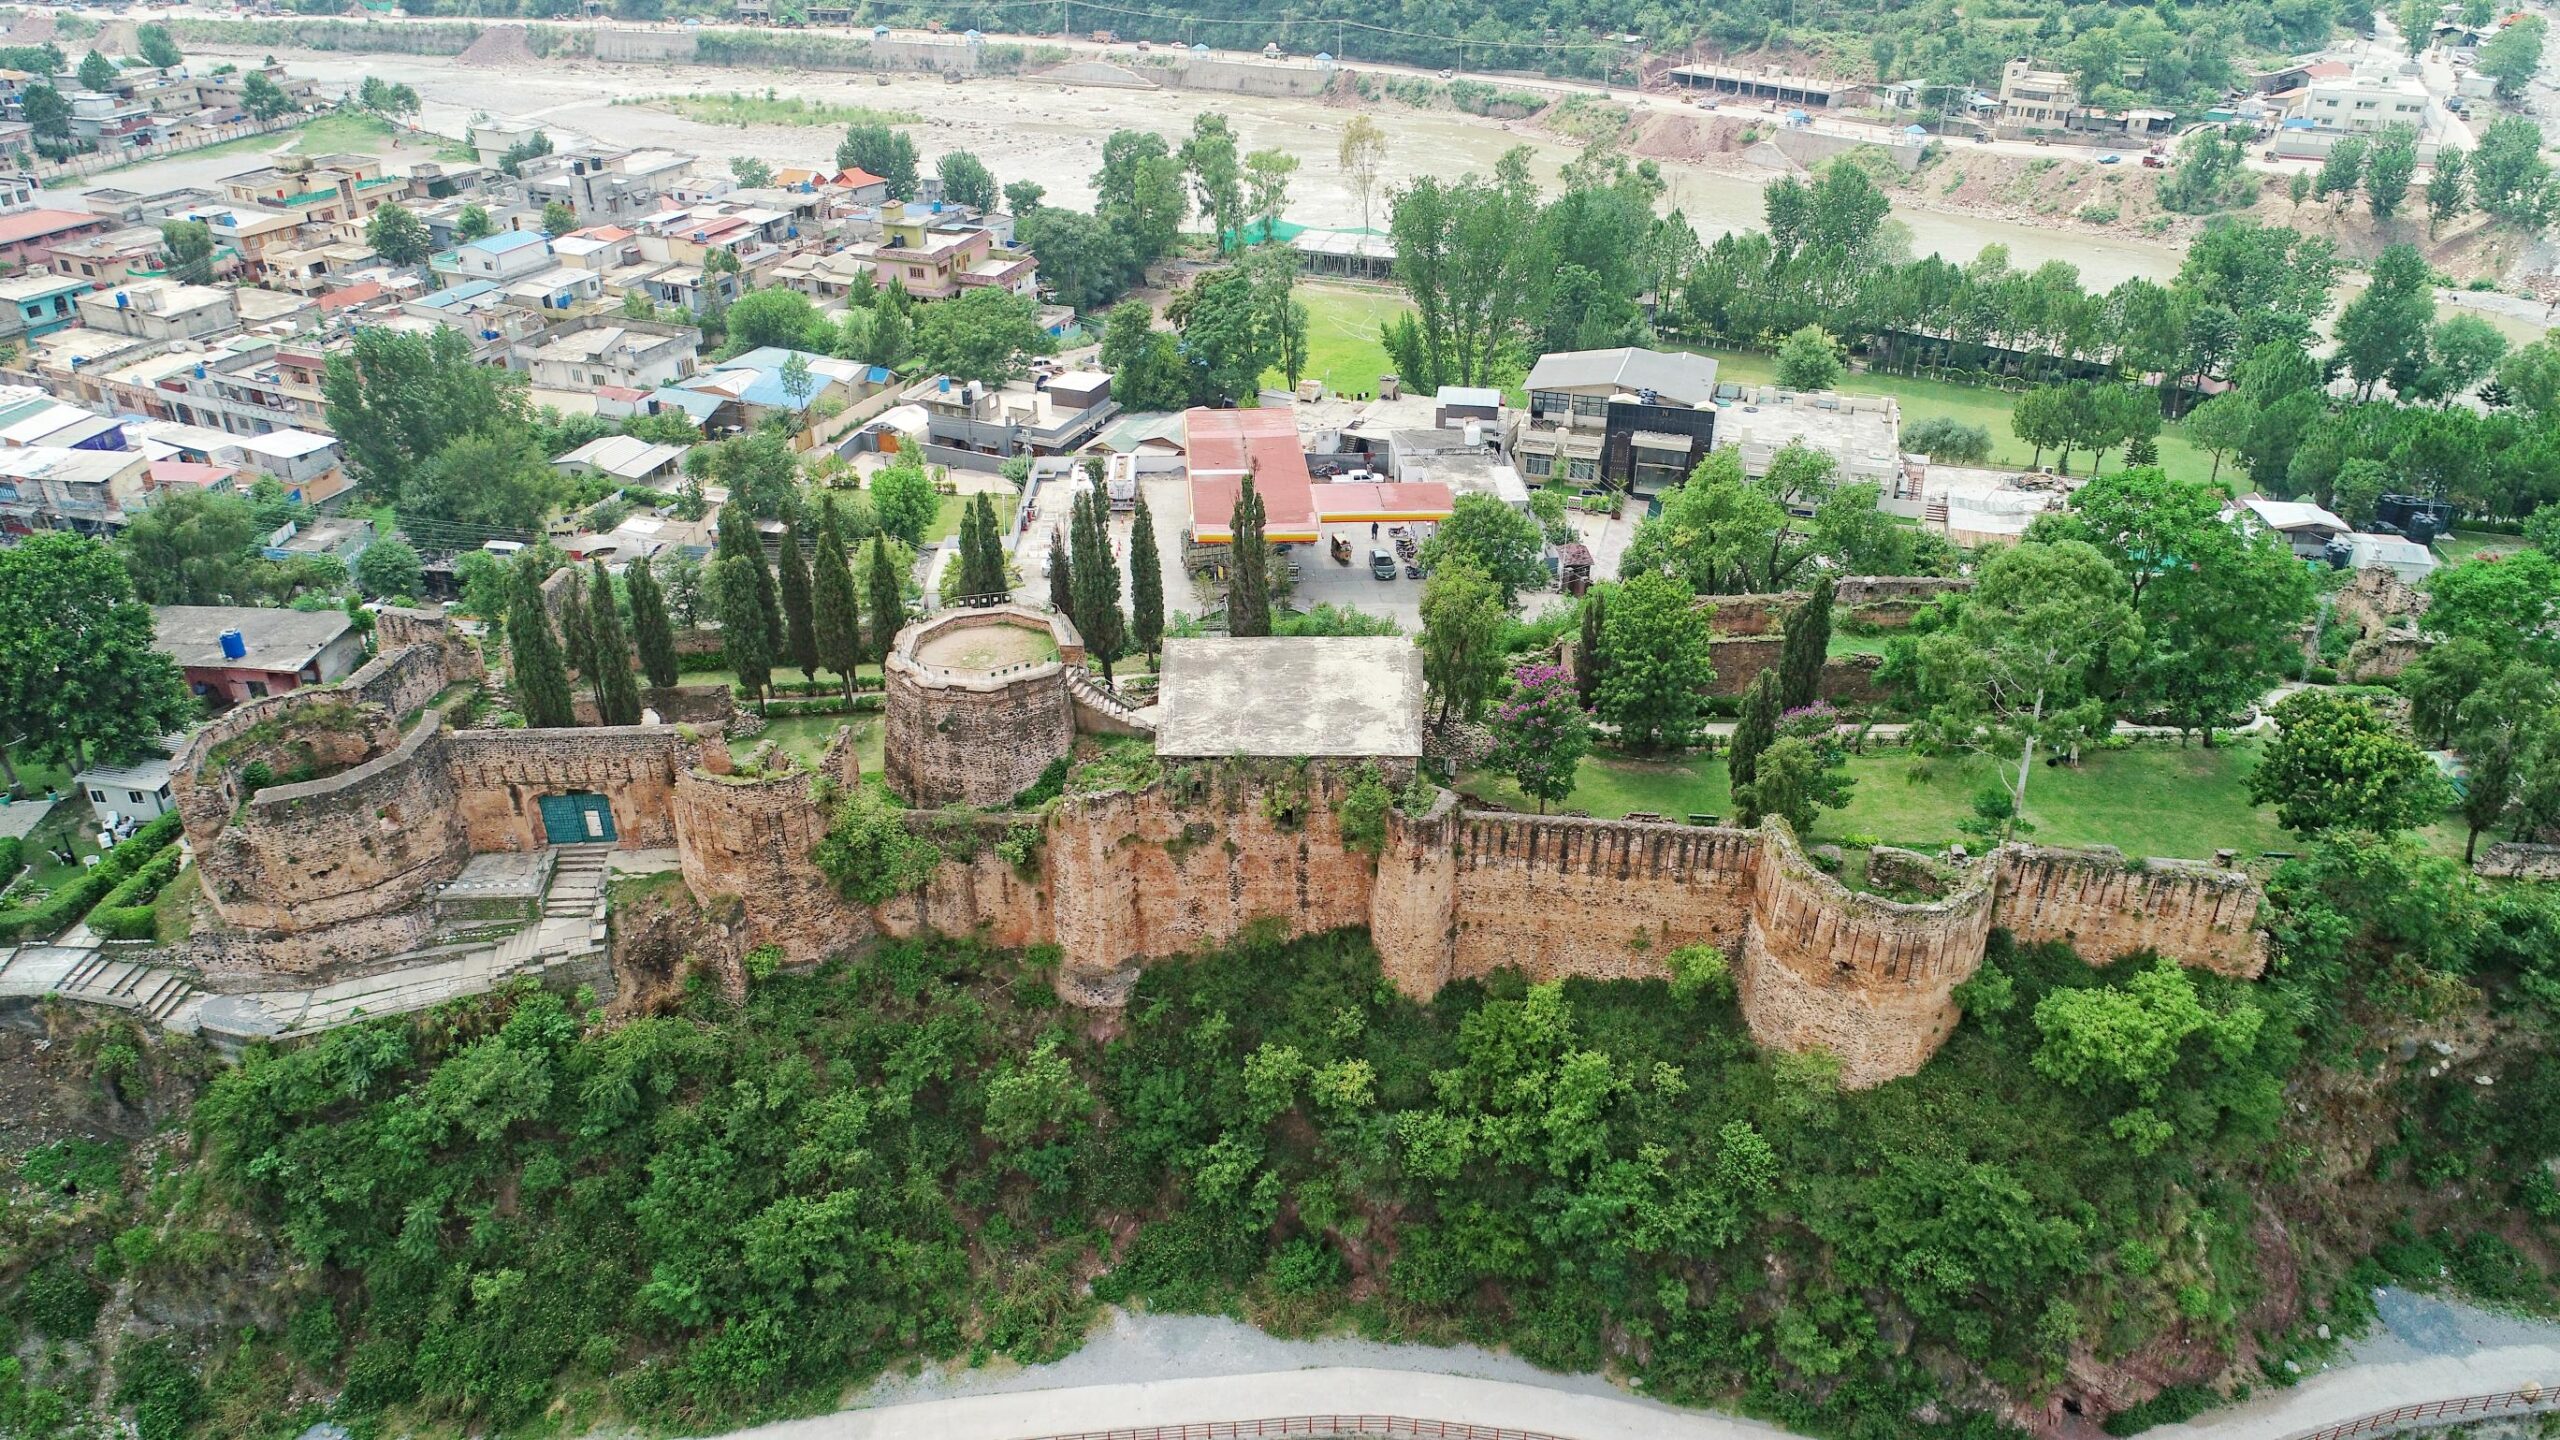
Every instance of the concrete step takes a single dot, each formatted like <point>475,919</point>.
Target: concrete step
<point>78,979</point>
<point>107,981</point>
<point>164,1002</point>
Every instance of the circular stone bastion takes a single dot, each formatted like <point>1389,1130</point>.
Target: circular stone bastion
<point>978,704</point>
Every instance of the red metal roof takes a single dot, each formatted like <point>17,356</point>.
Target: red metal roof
<point>355,294</point>
<point>1227,445</point>
<point>36,224</point>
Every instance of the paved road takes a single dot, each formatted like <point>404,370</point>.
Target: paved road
<point>1138,1370</point>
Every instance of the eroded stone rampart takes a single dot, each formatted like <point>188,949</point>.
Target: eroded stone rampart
<point>1177,864</point>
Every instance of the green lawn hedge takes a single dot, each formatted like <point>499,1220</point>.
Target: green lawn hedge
<point>73,899</point>
<point>127,912</point>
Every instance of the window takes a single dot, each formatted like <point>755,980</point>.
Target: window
<point>1583,470</point>
<point>98,797</point>
<point>1540,465</point>
<point>257,689</point>
<point>1593,406</point>
<point>133,795</point>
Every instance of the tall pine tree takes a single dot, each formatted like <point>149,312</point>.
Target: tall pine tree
<point>537,679</point>
<point>838,609</point>
<point>1591,656</point>
<point>799,620</point>
<point>1062,591</point>
<point>1249,585</point>
<point>617,690</point>
<point>1097,582</point>
<point>739,541</point>
<point>888,604</point>
<point>654,633</point>
<point>989,578</point>
<point>1755,731</point>
<point>1808,643</point>
<point>1146,583</point>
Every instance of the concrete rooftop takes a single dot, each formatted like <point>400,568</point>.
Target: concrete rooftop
<point>1291,698</point>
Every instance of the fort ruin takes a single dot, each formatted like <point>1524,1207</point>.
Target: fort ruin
<point>979,704</point>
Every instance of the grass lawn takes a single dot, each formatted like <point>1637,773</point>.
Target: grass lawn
<point>2463,544</point>
<point>734,108</point>
<point>1972,404</point>
<point>1855,644</point>
<point>946,521</point>
<point>347,130</point>
<point>781,673</point>
<point>805,737</point>
<point>2149,800</point>
<point>1342,336</point>
<point>173,913</point>
<point>71,825</point>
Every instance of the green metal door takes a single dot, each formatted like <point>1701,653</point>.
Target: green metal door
<point>578,818</point>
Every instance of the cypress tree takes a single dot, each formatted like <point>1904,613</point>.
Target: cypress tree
<point>1062,594</point>
<point>740,541</point>
<point>838,609</point>
<point>1097,583</point>
<point>992,579</point>
<point>650,628</point>
<point>1249,589</point>
<point>1591,656</point>
<point>1808,629</point>
<point>577,636</point>
<point>540,684</point>
<point>799,624</point>
<point>734,594</point>
<point>617,690</point>
<point>888,604</point>
<point>1146,583</point>
<point>1757,728</point>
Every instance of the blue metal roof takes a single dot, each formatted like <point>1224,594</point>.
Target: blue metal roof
<point>507,240</point>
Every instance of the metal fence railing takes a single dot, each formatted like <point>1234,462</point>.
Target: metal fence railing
<point>1391,1427</point>
<point>2527,1400</point>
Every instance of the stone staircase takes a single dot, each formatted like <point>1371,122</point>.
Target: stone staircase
<point>1101,712</point>
<point>1937,512</point>
<point>571,930</point>
<point>577,883</point>
<point>100,977</point>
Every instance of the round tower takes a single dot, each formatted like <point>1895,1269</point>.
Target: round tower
<point>978,704</point>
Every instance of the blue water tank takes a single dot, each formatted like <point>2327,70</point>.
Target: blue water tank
<point>122,301</point>
<point>199,370</point>
<point>234,646</point>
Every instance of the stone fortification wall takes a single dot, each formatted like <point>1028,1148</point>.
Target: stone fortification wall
<point>353,845</point>
<point>1602,898</point>
<point>401,681</point>
<point>976,891</point>
<point>2104,907</point>
<point>750,839</point>
<point>501,775</point>
<point>1738,660</point>
<point>1187,863</point>
<point>2515,860</point>
<point>397,629</point>
<point>1870,979</point>
<point>327,728</point>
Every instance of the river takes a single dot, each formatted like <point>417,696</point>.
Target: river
<point>1053,134</point>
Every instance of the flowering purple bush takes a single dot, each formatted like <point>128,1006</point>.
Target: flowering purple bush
<point>1541,733</point>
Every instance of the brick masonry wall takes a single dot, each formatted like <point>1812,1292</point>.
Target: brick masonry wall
<point>2105,907</point>
<point>975,891</point>
<point>1738,660</point>
<point>501,775</point>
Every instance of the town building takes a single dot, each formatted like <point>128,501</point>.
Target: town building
<point>1050,417</point>
<point>584,354</point>
<point>39,304</point>
<point>627,460</point>
<point>139,791</point>
<point>162,310</point>
<point>235,653</point>
<point>27,237</point>
<point>934,259</point>
<point>111,257</point>
<point>1639,420</point>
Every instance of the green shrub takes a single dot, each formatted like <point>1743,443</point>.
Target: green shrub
<point>60,1301</point>
<point>74,897</point>
<point>126,913</point>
